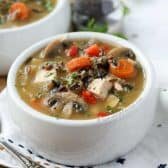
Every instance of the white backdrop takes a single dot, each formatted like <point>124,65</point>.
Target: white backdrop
<point>147,27</point>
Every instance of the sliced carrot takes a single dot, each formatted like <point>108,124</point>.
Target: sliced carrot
<point>78,63</point>
<point>88,97</point>
<point>93,50</point>
<point>36,103</point>
<point>23,12</point>
<point>125,69</point>
<point>102,114</point>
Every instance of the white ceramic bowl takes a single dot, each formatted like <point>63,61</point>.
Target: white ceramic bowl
<point>85,142</point>
<point>14,40</point>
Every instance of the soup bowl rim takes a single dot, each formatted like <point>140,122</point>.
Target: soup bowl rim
<point>57,7</point>
<point>14,95</point>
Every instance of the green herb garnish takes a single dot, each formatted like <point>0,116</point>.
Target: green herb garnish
<point>121,35</point>
<point>50,74</point>
<point>48,5</point>
<point>110,109</point>
<point>74,75</point>
<point>71,79</point>
<point>93,26</point>
<point>1,20</point>
<point>126,10</point>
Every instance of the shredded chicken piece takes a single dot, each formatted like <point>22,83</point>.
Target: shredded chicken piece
<point>118,86</point>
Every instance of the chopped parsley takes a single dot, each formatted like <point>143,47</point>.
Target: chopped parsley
<point>121,35</point>
<point>71,79</point>
<point>74,75</point>
<point>94,26</point>
<point>48,5</point>
<point>49,74</point>
<point>126,10</point>
<point>110,109</point>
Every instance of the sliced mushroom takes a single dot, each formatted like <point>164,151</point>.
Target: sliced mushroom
<point>77,107</point>
<point>70,96</point>
<point>121,51</point>
<point>55,104</point>
<point>65,102</point>
<point>53,49</point>
<point>57,107</point>
<point>76,86</point>
<point>64,98</point>
<point>68,110</point>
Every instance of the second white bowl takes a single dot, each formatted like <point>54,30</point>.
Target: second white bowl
<point>14,40</point>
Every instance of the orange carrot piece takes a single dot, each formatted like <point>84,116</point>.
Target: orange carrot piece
<point>36,103</point>
<point>93,50</point>
<point>78,63</point>
<point>23,12</point>
<point>125,69</point>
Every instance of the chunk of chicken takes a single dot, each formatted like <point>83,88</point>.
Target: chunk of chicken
<point>118,86</point>
<point>45,76</point>
<point>100,87</point>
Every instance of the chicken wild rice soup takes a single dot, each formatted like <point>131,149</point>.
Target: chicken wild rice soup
<point>15,13</point>
<point>80,79</point>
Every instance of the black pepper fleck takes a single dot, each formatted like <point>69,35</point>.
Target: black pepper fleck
<point>162,166</point>
<point>40,156</point>
<point>10,141</point>
<point>29,151</point>
<point>121,160</point>
<point>21,146</point>
<point>159,125</point>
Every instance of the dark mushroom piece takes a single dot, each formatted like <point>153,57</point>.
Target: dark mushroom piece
<point>57,86</point>
<point>64,98</point>
<point>121,52</point>
<point>77,107</point>
<point>72,107</point>
<point>86,76</point>
<point>70,96</point>
<point>76,86</point>
<point>55,104</point>
<point>53,49</point>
